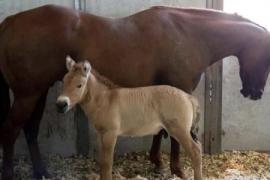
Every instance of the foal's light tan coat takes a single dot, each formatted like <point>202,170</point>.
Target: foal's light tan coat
<point>131,112</point>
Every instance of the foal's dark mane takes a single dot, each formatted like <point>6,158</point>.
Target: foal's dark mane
<point>104,80</point>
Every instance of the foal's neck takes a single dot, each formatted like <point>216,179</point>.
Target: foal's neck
<point>96,85</point>
<point>93,94</point>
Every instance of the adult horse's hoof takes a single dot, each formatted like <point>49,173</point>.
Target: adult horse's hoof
<point>160,169</point>
<point>158,162</point>
<point>178,172</point>
<point>7,176</point>
<point>42,175</point>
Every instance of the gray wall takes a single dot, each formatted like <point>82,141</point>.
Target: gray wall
<point>58,132</point>
<point>120,8</point>
<point>245,123</point>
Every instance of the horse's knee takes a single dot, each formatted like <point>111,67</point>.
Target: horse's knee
<point>9,134</point>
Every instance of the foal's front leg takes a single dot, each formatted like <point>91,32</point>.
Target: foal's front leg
<point>107,143</point>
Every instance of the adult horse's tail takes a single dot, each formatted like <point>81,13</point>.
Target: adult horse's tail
<point>4,99</point>
<point>4,88</point>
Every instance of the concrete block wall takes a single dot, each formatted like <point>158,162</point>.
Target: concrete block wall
<point>245,122</point>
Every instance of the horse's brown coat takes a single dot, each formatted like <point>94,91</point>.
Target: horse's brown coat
<point>160,45</point>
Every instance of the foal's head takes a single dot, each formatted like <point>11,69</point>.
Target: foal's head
<point>75,84</point>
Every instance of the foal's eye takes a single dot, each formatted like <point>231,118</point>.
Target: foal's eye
<point>79,86</point>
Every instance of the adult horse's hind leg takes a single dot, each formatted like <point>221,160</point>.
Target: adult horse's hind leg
<point>31,130</point>
<point>175,159</point>
<point>4,100</point>
<point>20,112</point>
<point>155,155</point>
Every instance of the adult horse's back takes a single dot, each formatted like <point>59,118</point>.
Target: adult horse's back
<point>156,46</point>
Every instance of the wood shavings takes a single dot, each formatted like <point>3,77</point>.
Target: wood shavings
<point>230,165</point>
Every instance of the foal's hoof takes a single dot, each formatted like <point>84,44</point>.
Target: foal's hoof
<point>42,175</point>
<point>178,172</point>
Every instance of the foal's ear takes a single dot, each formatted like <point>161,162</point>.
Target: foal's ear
<point>86,68</point>
<point>69,62</point>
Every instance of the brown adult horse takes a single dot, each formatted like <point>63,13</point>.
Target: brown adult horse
<point>160,45</point>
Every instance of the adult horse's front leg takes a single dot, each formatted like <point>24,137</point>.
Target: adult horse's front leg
<point>20,112</point>
<point>31,130</point>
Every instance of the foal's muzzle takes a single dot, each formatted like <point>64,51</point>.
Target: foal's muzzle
<point>62,106</point>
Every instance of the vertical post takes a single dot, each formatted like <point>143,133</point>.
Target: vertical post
<point>213,99</point>
<point>82,139</point>
<point>80,5</point>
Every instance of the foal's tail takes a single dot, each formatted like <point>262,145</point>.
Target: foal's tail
<point>196,118</point>
<point>4,99</point>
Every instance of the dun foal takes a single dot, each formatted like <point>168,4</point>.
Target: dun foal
<point>116,111</point>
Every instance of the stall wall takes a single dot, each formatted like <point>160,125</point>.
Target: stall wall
<point>245,122</point>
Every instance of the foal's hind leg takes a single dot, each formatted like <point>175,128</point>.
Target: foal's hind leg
<point>193,149</point>
<point>31,130</point>
<point>20,112</point>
